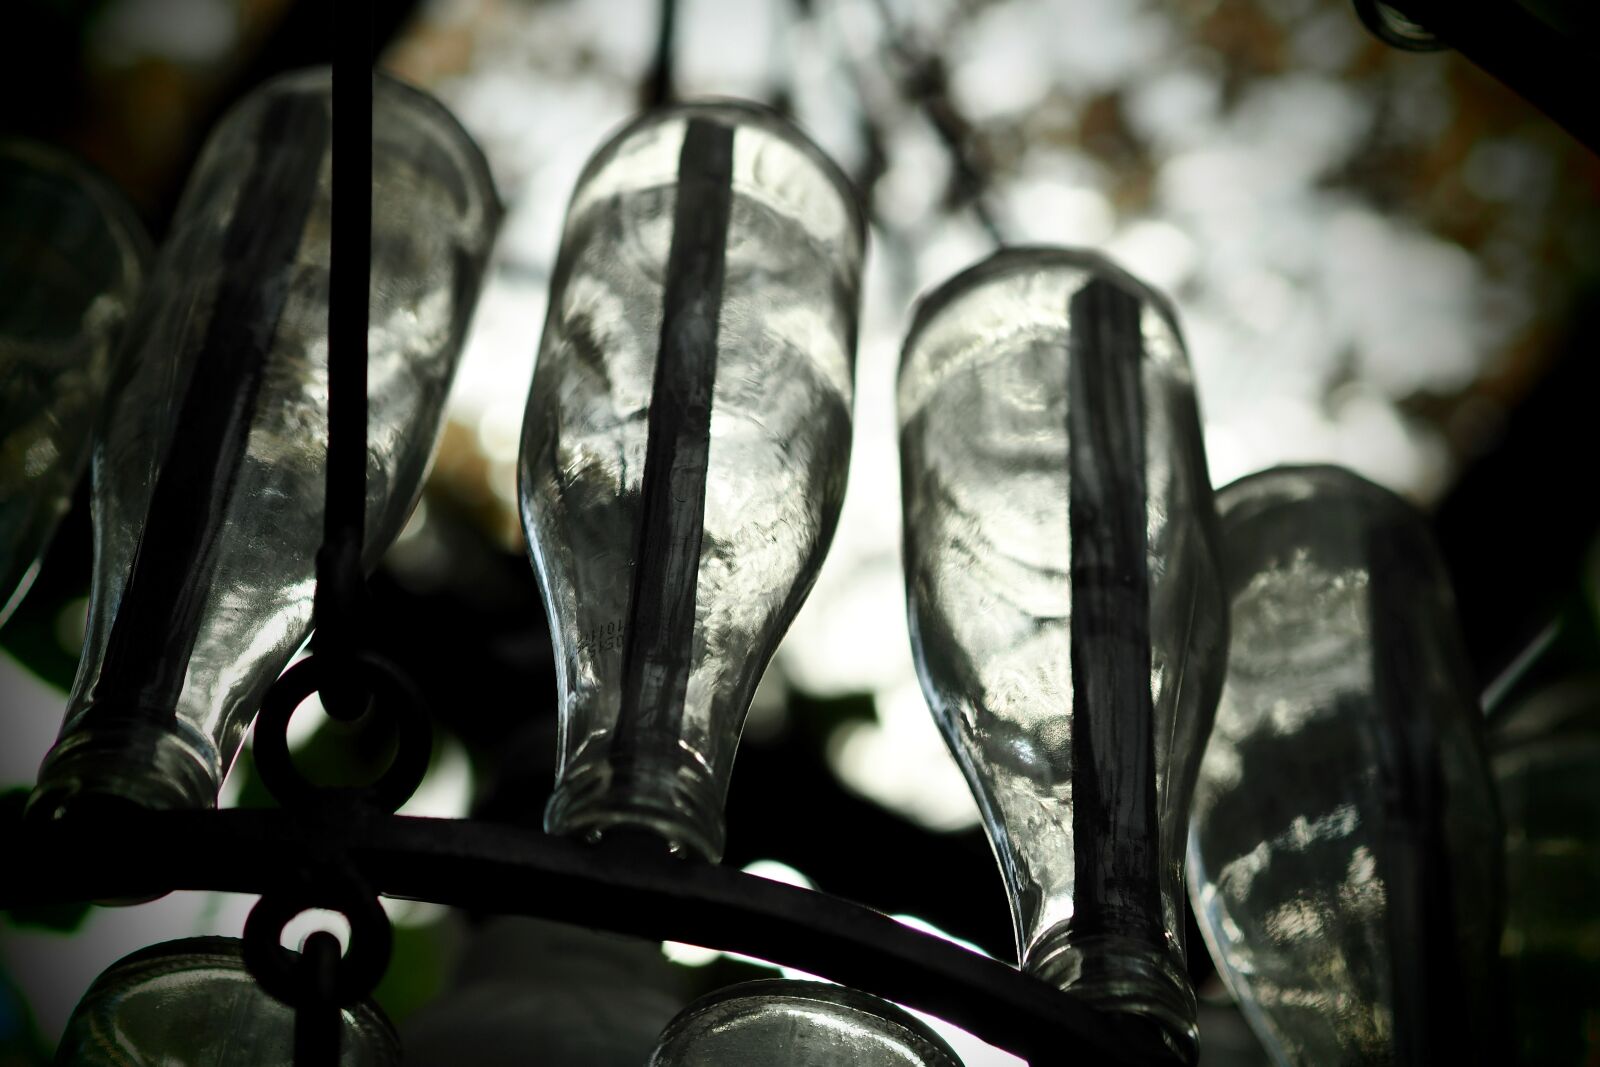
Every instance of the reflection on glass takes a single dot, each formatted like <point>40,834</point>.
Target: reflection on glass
<point>1065,608</point>
<point>1342,852</point>
<point>192,1003</point>
<point>1546,758</point>
<point>685,449</point>
<point>798,1024</point>
<point>72,259</point>
<point>208,476</point>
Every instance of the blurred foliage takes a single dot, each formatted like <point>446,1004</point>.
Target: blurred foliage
<point>417,970</point>
<point>815,718</point>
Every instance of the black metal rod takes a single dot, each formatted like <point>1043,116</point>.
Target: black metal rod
<point>1115,831</point>
<point>659,85</point>
<point>516,871</point>
<point>659,637</point>
<point>349,284</point>
<point>318,1022</point>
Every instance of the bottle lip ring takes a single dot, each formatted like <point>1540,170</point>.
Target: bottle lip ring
<point>815,992</point>
<point>180,769</point>
<point>1125,975</point>
<point>593,798</point>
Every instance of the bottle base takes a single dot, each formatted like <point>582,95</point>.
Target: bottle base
<point>135,764</point>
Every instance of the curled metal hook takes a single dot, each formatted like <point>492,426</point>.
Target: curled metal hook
<point>394,696</point>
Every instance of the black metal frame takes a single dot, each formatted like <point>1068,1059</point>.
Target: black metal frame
<point>300,861</point>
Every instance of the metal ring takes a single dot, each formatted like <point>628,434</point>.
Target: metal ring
<point>395,696</point>
<point>1396,29</point>
<point>277,969</point>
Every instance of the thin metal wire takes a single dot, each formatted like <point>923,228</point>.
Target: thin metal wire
<point>926,85</point>
<point>340,577</point>
<point>660,87</point>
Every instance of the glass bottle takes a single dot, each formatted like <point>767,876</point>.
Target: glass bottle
<point>1344,851</point>
<point>209,473</point>
<point>685,449</point>
<point>1546,759</point>
<point>193,1003</point>
<point>582,998</point>
<point>72,259</point>
<point>787,1023</point>
<point>1066,613</point>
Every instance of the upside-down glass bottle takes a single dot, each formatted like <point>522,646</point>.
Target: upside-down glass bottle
<point>209,472</point>
<point>786,1023</point>
<point>72,259</point>
<point>1065,608</point>
<point>685,450</point>
<point>1345,848</point>
<point>193,1003</point>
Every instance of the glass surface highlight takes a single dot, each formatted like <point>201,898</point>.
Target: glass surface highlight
<point>1342,852</point>
<point>1065,608</point>
<point>209,473</point>
<point>72,259</point>
<point>684,450</point>
<point>193,1003</point>
<point>798,1024</point>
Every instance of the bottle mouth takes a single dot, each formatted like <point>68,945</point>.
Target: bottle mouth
<point>142,765</point>
<point>1117,973</point>
<point>677,803</point>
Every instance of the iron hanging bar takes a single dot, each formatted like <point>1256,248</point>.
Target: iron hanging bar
<point>324,980</point>
<point>512,870</point>
<point>341,584</point>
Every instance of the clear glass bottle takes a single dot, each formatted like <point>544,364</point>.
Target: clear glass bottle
<point>193,1003</point>
<point>1344,851</point>
<point>685,450</point>
<point>1066,612</point>
<point>785,1023</point>
<point>209,473</point>
<point>72,259</point>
